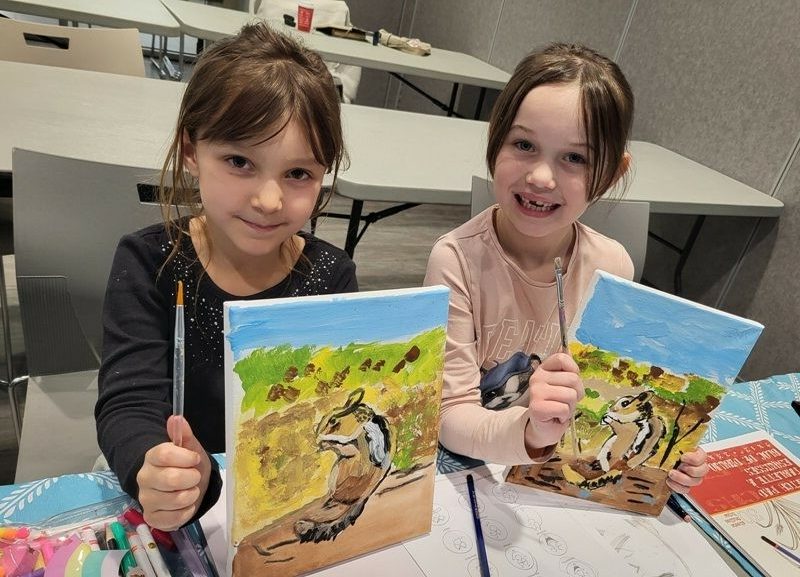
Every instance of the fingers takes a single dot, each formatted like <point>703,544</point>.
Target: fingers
<point>556,389</point>
<point>169,455</point>
<point>166,520</point>
<point>169,486</point>
<point>553,402</point>
<point>180,433</point>
<point>695,458</point>
<point>690,472</point>
<point>560,362</point>
<point>681,482</point>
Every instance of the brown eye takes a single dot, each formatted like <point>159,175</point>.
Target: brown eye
<point>238,161</point>
<point>299,174</point>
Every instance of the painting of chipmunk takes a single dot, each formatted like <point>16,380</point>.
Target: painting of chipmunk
<point>362,441</point>
<point>635,435</point>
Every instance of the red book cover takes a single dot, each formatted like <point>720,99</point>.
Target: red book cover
<point>752,493</point>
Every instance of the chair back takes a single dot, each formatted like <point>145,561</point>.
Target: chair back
<point>626,221</point>
<point>68,218</point>
<point>112,50</point>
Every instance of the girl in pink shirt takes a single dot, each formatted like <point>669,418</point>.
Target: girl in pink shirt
<point>557,142</point>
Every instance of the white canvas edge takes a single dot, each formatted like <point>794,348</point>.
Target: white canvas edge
<point>244,304</point>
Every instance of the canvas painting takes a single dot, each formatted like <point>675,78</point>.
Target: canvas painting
<point>332,415</point>
<point>654,366</point>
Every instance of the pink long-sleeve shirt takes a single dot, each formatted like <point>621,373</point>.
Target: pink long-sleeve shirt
<point>495,311</point>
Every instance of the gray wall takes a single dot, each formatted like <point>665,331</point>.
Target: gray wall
<point>718,82</point>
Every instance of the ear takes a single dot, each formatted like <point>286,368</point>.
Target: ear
<point>624,166</point>
<point>189,154</point>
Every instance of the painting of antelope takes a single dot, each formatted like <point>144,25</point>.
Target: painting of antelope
<point>654,366</point>
<point>332,414</point>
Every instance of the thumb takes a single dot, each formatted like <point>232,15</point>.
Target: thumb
<point>180,433</point>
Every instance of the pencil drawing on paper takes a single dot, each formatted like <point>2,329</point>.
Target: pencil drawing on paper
<point>332,425</point>
<point>654,367</point>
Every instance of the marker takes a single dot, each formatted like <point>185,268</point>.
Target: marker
<point>483,560</point>
<point>47,550</point>
<point>111,542</point>
<point>87,536</point>
<point>676,508</point>
<point>139,553</point>
<point>128,562</point>
<point>101,539</point>
<point>135,518</point>
<point>151,549</point>
<point>12,533</point>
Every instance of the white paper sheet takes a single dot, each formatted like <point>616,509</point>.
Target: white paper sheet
<point>521,537</point>
<point>527,532</point>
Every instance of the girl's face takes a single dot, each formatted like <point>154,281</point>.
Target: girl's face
<point>255,195</point>
<point>541,169</point>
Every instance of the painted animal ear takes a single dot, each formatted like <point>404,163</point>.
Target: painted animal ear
<point>354,398</point>
<point>644,395</point>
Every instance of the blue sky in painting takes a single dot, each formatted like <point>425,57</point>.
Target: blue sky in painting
<point>683,337</point>
<point>335,320</point>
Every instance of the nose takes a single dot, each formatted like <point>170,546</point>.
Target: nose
<point>541,175</point>
<point>268,197</point>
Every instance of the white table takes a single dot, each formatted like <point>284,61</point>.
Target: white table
<point>129,120</point>
<point>148,16</point>
<point>214,23</point>
<point>398,157</point>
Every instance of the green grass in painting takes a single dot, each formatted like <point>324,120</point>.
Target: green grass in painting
<point>311,371</point>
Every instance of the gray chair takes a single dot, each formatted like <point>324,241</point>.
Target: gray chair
<point>68,217</point>
<point>118,51</point>
<point>626,221</point>
<point>104,50</point>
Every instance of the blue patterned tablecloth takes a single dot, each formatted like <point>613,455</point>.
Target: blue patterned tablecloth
<point>35,502</point>
<point>760,405</point>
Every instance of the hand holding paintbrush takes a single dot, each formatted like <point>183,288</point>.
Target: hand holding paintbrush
<point>555,388</point>
<point>178,362</point>
<point>562,323</point>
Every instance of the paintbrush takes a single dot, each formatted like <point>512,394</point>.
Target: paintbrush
<point>178,360</point>
<point>562,323</point>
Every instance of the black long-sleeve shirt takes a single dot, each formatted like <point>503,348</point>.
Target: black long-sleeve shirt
<point>135,382</point>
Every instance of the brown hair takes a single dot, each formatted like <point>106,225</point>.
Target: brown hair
<point>245,87</point>
<point>606,100</point>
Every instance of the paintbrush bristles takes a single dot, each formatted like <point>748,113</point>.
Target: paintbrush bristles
<point>179,298</point>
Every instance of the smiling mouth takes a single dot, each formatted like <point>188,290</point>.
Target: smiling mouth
<point>262,227</point>
<point>536,205</point>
